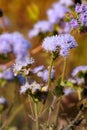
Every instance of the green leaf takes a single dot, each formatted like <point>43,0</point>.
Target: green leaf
<point>33,12</point>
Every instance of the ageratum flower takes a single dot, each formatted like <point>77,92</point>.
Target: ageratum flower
<point>38,68</point>
<point>78,70</point>
<point>81,8</point>
<point>15,43</point>
<point>24,88</point>
<point>5,47</point>
<point>50,43</point>
<point>56,13</point>
<point>5,73</point>
<point>63,42</point>
<point>20,45</point>
<point>22,63</point>
<point>40,27</point>
<point>83,19</point>
<point>44,74</point>
<point>74,23</point>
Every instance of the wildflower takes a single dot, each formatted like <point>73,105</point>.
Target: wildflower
<point>5,47</point>
<point>24,88</point>
<point>5,73</point>
<point>44,74</point>
<point>20,45</point>
<point>50,43</point>
<point>81,8</point>
<point>38,68</point>
<point>83,19</point>
<point>35,87</point>
<point>22,63</point>
<point>40,27</point>
<point>56,13</point>
<point>78,70</point>
<point>74,23</point>
<point>62,42</point>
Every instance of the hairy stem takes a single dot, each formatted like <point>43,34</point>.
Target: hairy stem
<point>64,69</point>
<point>36,115</point>
<point>49,73</point>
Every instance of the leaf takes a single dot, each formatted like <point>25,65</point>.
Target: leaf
<point>33,12</point>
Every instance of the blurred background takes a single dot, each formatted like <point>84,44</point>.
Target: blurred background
<point>18,17</point>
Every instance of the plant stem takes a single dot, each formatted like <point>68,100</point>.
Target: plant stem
<point>49,73</point>
<point>64,69</point>
<point>36,115</point>
<point>51,109</point>
<point>57,115</point>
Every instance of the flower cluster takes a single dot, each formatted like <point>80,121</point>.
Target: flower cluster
<point>80,18</point>
<point>62,42</point>
<point>43,73</point>
<point>14,42</point>
<point>79,71</point>
<point>35,90</point>
<point>56,13</point>
<point>5,73</point>
<point>54,17</point>
<point>41,26</point>
<point>20,65</point>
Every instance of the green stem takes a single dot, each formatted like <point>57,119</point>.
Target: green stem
<point>49,73</point>
<point>36,115</point>
<point>64,69</point>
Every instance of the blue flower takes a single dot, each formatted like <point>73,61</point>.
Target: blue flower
<point>78,70</point>
<point>40,27</point>
<point>63,43</point>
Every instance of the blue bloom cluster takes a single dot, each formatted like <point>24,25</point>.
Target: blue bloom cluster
<point>5,73</point>
<point>62,42</point>
<point>80,21</point>
<point>15,43</point>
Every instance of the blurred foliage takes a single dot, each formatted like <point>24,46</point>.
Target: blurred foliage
<point>23,14</point>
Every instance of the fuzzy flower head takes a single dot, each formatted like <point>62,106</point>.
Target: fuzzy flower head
<point>24,88</point>
<point>79,71</point>
<point>81,8</point>
<point>43,73</point>
<point>40,27</point>
<point>22,63</point>
<point>62,42</point>
<point>80,22</point>
<point>56,13</point>
<point>50,43</point>
<point>5,73</point>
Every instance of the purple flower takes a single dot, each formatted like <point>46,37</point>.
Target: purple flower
<point>63,42</point>
<point>5,73</point>
<point>44,74</point>
<point>83,19</point>
<point>74,23</point>
<point>20,45</point>
<point>40,27</point>
<point>5,47</point>
<point>38,68</point>
<point>50,43</point>
<point>8,74</point>
<point>56,13</point>
<point>81,8</point>
<point>79,69</point>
